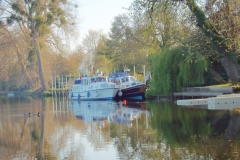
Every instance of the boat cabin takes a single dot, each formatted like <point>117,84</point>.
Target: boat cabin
<point>88,80</point>
<point>126,79</point>
<point>114,76</point>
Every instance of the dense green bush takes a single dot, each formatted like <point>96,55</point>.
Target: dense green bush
<point>175,68</point>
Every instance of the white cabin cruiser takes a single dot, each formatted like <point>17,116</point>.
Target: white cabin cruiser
<point>93,88</point>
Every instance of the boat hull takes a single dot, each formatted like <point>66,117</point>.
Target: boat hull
<point>101,94</point>
<point>137,92</point>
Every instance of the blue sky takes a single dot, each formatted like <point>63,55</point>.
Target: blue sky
<point>98,14</point>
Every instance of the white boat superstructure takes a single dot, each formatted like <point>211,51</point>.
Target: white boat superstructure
<point>93,88</point>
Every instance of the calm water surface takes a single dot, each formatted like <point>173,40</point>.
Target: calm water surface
<point>55,128</point>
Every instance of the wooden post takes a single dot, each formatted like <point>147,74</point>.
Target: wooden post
<point>62,87</point>
<point>144,74</point>
<point>55,79</point>
<point>52,84</point>
<point>66,88</point>
<point>59,85</point>
<point>134,71</point>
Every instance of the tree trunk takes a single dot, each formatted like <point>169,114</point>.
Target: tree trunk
<point>36,46</point>
<point>231,67</point>
<point>23,66</point>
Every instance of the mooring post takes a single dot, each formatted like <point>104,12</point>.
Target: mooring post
<point>144,75</point>
<point>52,84</point>
<point>55,88</point>
<point>134,73</point>
<point>62,87</point>
<point>59,87</point>
<point>66,88</point>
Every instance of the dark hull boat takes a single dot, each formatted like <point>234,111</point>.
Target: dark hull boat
<point>136,91</point>
<point>129,87</point>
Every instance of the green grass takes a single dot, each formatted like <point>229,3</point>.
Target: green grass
<point>218,85</point>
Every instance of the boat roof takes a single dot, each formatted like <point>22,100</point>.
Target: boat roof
<point>90,77</point>
<point>118,74</point>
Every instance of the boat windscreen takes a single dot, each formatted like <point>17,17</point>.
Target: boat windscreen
<point>116,75</point>
<point>100,79</point>
<point>132,79</point>
<point>124,79</point>
<point>77,81</point>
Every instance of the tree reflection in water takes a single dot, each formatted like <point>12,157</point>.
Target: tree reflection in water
<point>156,130</point>
<point>195,133</point>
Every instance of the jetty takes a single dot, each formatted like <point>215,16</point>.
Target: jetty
<point>202,92</point>
<point>217,98</point>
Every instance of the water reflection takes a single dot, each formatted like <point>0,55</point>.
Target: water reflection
<point>111,130</point>
<point>197,133</point>
<point>19,133</point>
<point>104,112</point>
<point>107,125</point>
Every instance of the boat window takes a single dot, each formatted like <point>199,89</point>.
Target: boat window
<point>118,81</point>
<point>101,79</point>
<point>93,80</point>
<point>123,80</point>
<point>132,79</point>
<point>77,81</point>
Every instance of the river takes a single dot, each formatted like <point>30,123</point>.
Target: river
<point>56,128</point>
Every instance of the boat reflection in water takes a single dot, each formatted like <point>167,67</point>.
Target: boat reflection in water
<point>103,112</point>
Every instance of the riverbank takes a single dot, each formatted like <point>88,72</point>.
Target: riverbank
<point>187,93</point>
<point>198,92</point>
<point>36,92</point>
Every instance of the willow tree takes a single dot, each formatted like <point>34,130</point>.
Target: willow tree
<point>175,68</point>
<point>37,16</point>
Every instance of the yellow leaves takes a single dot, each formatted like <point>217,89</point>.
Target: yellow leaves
<point>63,20</point>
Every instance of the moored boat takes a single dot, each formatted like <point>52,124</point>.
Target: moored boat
<point>93,88</point>
<point>129,87</point>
